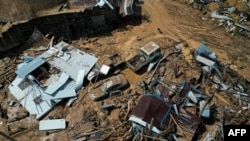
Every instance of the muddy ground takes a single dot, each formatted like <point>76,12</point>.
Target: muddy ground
<point>166,23</point>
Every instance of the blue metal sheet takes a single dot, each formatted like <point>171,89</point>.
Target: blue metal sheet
<point>60,94</point>
<point>203,49</point>
<point>55,86</point>
<point>29,67</point>
<point>79,60</point>
<point>33,97</point>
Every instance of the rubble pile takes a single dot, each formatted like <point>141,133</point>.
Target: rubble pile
<point>192,98</point>
<point>173,100</point>
<point>234,20</point>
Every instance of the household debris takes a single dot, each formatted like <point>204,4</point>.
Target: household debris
<point>235,20</point>
<point>175,101</point>
<point>153,112</point>
<point>185,102</point>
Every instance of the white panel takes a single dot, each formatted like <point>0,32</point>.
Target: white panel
<point>52,124</point>
<point>79,80</point>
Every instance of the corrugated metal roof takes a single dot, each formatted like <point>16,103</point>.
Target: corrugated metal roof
<point>79,61</point>
<point>152,106</point>
<point>29,67</point>
<point>26,97</point>
<point>33,97</point>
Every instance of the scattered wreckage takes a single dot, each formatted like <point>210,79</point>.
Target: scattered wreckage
<point>232,26</point>
<point>168,108</point>
<point>235,21</point>
<point>175,110</point>
<point>162,112</point>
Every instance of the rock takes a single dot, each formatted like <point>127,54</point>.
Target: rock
<point>124,106</point>
<point>102,115</point>
<point>138,38</point>
<point>104,124</point>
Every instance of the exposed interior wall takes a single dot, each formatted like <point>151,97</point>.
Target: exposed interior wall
<point>18,10</point>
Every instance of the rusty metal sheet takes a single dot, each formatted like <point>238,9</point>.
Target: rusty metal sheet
<point>191,124</point>
<point>152,106</point>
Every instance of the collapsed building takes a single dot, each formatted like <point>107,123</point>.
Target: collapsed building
<point>42,82</point>
<point>161,113</point>
<point>68,24</point>
<point>169,107</point>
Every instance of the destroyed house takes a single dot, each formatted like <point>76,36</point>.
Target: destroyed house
<point>85,18</point>
<point>153,109</point>
<point>47,79</point>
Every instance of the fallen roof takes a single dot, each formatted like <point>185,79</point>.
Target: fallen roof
<point>37,100</point>
<point>79,60</point>
<point>151,107</point>
<point>29,67</point>
<point>31,96</point>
